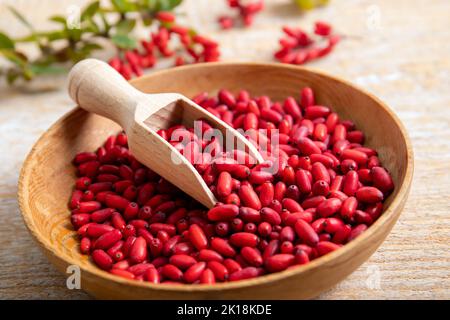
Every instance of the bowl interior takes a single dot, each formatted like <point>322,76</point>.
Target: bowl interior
<point>48,174</point>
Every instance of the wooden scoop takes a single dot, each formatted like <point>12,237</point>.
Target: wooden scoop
<point>98,88</point>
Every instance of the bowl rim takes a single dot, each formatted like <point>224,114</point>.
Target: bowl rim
<point>390,212</point>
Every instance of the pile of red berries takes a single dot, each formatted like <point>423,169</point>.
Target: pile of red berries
<point>326,189</point>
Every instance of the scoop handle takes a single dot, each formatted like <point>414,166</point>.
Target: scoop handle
<point>97,87</point>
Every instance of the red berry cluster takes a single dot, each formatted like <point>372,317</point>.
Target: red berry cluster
<point>327,189</point>
<point>194,48</point>
<point>246,12</point>
<point>299,47</point>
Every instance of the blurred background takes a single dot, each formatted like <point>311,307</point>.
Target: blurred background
<point>398,50</point>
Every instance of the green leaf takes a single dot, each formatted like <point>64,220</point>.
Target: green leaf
<point>124,42</point>
<point>175,3</point>
<point>39,69</point>
<point>75,34</point>
<point>21,18</point>
<point>167,5</point>
<point>90,10</point>
<point>119,5</point>
<point>54,35</point>
<point>149,4</point>
<point>29,38</point>
<point>49,35</point>
<point>91,27</point>
<point>125,26</point>
<point>89,47</point>
<point>123,5</point>
<point>59,19</point>
<point>6,42</point>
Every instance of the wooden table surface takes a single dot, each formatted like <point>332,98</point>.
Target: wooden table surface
<point>399,50</point>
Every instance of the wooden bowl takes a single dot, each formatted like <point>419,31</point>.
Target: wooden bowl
<point>48,176</point>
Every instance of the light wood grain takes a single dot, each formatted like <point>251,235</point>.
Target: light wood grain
<point>404,61</point>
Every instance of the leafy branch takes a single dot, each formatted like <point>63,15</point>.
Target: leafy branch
<point>77,37</point>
